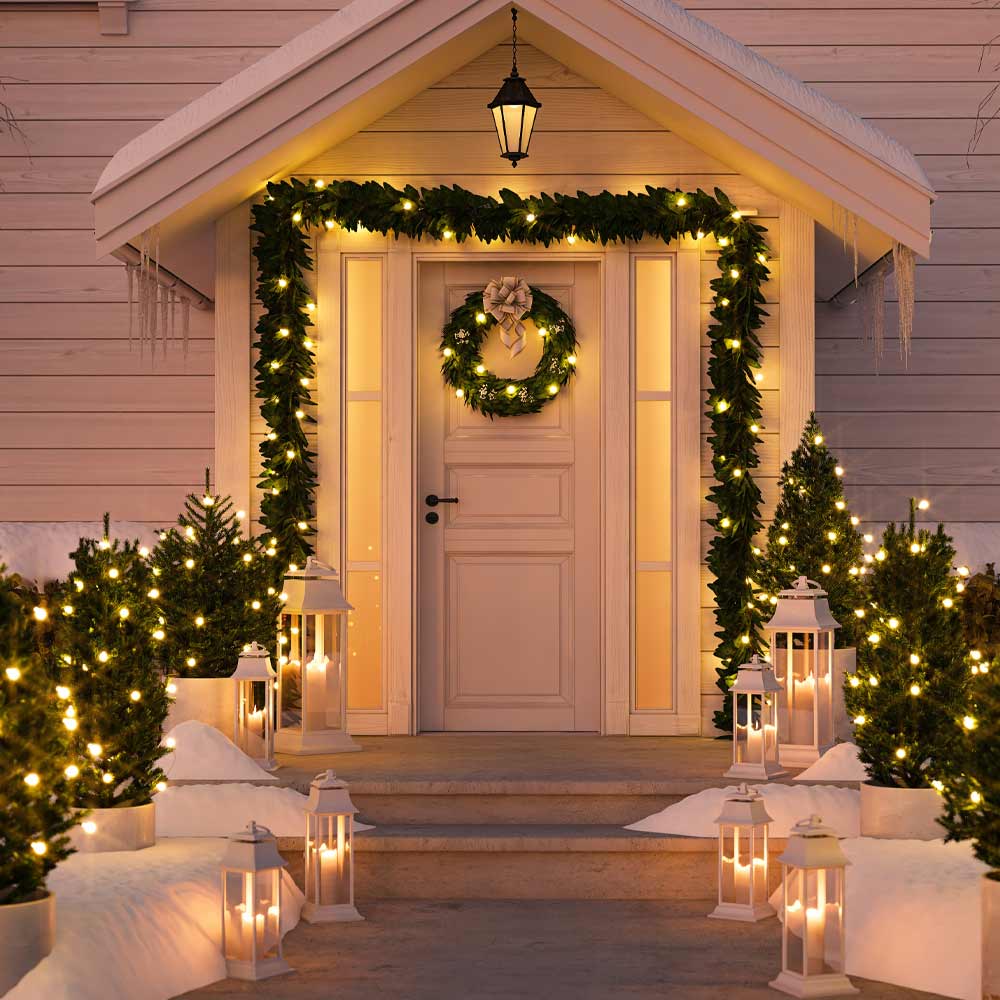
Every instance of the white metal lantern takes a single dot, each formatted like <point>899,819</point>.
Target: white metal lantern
<point>312,687</point>
<point>801,636</point>
<point>755,722</point>
<point>251,905</point>
<point>812,934</point>
<point>743,859</point>
<point>329,877</point>
<point>253,705</point>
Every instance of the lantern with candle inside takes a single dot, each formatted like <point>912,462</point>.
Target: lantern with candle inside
<point>329,877</point>
<point>755,722</point>
<point>812,933</point>
<point>743,825</point>
<point>253,705</point>
<point>801,636</point>
<point>251,905</point>
<point>312,685</point>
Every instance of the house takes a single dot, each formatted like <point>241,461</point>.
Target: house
<point>566,590</point>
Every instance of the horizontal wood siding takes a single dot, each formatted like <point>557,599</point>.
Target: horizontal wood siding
<point>88,421</point>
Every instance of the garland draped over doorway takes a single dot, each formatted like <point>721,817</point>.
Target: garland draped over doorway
<point>286,367</point>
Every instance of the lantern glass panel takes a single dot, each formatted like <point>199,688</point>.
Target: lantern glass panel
<point>814,927</point>
<point>803,664</point>
<point>743,872</point>
<point>756,733</point>
<point>328,874</point>
<point>252,915</point>
<point>252,716</point>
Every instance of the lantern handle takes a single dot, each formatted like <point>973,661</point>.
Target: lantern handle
<point>804,583</point>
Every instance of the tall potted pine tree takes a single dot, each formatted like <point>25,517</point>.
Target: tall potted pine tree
<point>105,646</point>
<point>909,696</point>
<point>814,534</point>
<point>972,790</point>
<point>217,590</point>
<point>36,786</point>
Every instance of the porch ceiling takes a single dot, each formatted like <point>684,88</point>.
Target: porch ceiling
<point>333,80</point>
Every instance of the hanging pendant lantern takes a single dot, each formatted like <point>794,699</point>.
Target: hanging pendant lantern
<point>514,109</point>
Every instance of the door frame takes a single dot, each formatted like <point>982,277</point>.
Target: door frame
<point>402,258</point>
<point>616,611</point>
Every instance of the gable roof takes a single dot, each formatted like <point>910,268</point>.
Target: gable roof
<point>371,56</point>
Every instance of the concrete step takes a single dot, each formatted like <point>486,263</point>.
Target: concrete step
<point>574,861</point>
<point>472,802</point>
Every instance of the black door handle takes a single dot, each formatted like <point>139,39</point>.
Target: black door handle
<point>432,500</point>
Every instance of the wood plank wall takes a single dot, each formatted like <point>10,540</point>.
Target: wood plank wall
<point>443,136</point>
<point>87,422</point>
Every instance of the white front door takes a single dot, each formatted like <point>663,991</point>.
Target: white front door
<point>508,603</point>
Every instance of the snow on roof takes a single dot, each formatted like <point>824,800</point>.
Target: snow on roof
<point>726,50</point>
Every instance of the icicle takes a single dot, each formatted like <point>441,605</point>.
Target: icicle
<point>128,274</point>
<point>153,289</point>
<point>854,242</point>
<point>164,314</point>
<point>873,308</point>
<point>186,321</point>
<point>904,262</point>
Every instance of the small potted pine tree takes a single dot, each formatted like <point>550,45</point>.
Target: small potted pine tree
<point>105,646</point>
<point>972,791</point>
<point>908,697</point>
<point>217,591</point>
<point>814,534</point>
<point>35,786</point>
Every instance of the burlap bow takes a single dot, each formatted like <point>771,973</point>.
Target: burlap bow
<point>507,300</point>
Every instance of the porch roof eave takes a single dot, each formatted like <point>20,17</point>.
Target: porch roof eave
<point>366,59</point>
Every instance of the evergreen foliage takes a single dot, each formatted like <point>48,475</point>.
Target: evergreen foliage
<point>36,777</point>
<point>909,695</point>
<point>217,588</point>
<point>286,366</point>
<point>972,792</point>
<point>813,533</point>
<point>106,644</point>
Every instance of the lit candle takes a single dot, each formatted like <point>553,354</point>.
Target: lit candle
<point>328,866</point>
<point>273,925</point>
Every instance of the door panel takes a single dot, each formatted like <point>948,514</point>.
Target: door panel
<point>508,599</point>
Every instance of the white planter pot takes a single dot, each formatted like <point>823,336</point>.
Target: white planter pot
<point>205,699</point>
<point>900,813</point>
<point>27,933</point>
<point>991,939</point>
<point>124,828</point>
<point>845,662</point>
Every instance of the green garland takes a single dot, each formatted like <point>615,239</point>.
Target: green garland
<point>479,388</point>
<point>285,366</point>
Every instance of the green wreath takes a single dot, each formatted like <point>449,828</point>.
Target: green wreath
<point>463,368</point>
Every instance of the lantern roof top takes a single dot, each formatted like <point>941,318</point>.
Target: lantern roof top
<point>755,677</point>
<point>254,664</point>
<point>803,607</point>
<point>745,807</point>
<point>813,844</point>
<point>314,589</point>
<point>366,59</point>
<point>329,794</point>
<point>252,849</point>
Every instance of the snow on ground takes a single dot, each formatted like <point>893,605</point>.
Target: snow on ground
<point>138,925</point>
<point>40,550</point>
<point>202,753</point>
<point>913,914</point>
<point>219,810</point>
<point>695,816</point>
<point>839,763</point>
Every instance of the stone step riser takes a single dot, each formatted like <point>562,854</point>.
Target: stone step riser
<point>616,810</point>
<point>538,875</point>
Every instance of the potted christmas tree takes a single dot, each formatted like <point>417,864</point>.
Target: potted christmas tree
<point>909,696</point>
<point>814,534</point>
<point>218,591</point>
<point>972,791</point>
<point>105,646</point>
<point>35,785</point>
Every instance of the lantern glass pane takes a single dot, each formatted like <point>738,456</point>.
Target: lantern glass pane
<point>758,850</point>
<point>233,909</point>
<point>251,718</point>
<point>499,123</point>
<point>814,921</point>
<point>527,126</point>
<point>267,911</point>
<point>824,687</point>
<point>291,680</point>
<point>737,865</point>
